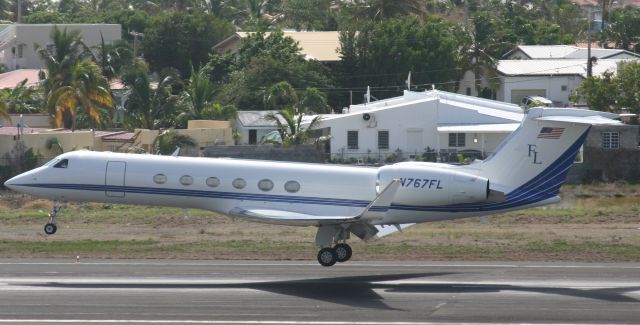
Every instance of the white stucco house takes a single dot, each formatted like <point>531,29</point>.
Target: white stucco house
<point>17,50</point>
<point>551,71</point>
<point>418,122</point>
<point>252,126</point>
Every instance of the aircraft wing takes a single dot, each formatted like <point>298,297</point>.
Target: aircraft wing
<point>375,210</point>
<point>281,217</point>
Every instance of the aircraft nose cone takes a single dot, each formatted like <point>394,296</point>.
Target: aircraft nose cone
<point>12,182</point>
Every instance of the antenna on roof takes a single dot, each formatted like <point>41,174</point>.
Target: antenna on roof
<point>433,87</point>
<point>367,96</point>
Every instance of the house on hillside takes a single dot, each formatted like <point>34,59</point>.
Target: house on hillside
<point>551,71</point>
<point>17,50</point>
<point>321,46</point>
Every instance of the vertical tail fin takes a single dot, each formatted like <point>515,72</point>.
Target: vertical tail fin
<point>536,158</point>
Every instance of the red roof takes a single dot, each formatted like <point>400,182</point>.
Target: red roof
<point>12,78</point>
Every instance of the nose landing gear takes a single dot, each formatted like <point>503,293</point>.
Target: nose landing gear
<point>50,228</point>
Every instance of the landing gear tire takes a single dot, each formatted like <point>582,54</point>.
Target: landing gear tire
<point>50,228</point>
<point>327,257</point>
<point>344,252</point>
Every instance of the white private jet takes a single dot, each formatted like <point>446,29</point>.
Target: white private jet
<point>526,170</point>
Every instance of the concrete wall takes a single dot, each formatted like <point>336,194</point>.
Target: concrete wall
<point>24,36</point>
<point>30,120</point>
<point>301,153</point>
<point>69,141</point>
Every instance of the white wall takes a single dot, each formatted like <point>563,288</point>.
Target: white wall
<point>552,85</point>
<point>26,35</point>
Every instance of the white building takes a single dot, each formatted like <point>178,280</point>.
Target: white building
<point>551,71</point>
<point>420,122</point>
<point>17,41</point>
<point>252,126</point>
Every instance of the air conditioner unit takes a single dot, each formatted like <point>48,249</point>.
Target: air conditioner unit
<point>366,116</point>
<point>370,119</point>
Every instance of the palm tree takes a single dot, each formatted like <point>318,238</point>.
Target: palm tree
<point>290,125</point>
<point>88,90</point>
<point>112,58</point>
<point>381,9</point>
<point>169,140</point>
<point>60,61</point>
<point>147,106</point>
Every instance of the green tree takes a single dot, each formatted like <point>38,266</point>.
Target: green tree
<point>623,29</point>
<point>170,140</point>
<point>628,87</point>
<point>60,62</point>
<point>291,127</point>
<point>176,39</point>
<point>21,99</point>
<point>197,100</point>
<point>432,51</point>
<point>599,92</point>
<point>112,58</point>
<point>308,15</point>
<point>87,91</point>
<point>150,106</point>
<point>381,9</point>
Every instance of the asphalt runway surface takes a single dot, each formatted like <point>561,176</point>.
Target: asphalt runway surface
<point>47,291</point>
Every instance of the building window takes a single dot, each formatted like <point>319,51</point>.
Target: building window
<point>383,140</point>
<point>186,180</point>
<point>239,183</point>
<point>468,91</point>
<point>352,139</point>
<point>457,139</point>
<point>292,186</point>
<point>610,140</point>
<point>563,88</point>
<point>213,182</point>
<point>20,51</point>
<point>265,185</point>
<point>160,178</point>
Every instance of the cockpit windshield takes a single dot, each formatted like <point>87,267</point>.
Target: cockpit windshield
<point>64,163</point>
<point>51,162</point>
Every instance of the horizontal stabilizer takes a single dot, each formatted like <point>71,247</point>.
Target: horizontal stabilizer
<point>593,120</point>
<point>281,217</point>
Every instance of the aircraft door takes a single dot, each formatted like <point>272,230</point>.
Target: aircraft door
<point>114,178</point>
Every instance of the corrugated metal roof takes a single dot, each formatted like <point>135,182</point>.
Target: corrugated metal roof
<point>556,67</point>
<point>542,52</point>
<point>255,119</point>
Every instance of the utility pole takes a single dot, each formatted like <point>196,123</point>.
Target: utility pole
<point>135,42</point>
<point>19,13</point>
<point>604,12</point>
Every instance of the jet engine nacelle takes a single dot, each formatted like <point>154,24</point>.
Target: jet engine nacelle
<point>422,184</point>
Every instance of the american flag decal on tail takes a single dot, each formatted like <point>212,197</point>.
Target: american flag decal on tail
<point>550,133</point>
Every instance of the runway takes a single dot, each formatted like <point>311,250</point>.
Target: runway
<point>46,291</point>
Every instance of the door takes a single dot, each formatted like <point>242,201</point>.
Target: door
<point>414,143</point>
<point>114,178</point>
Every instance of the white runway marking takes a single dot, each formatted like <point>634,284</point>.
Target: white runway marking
<point>312,264</point>
<point>239,322</point>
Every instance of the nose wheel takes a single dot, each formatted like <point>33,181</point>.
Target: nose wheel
<point>50,228</point>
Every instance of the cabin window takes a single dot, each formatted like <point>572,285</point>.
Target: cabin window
<point>239,183</point>
<point>265,185</point>
<point>213,182</point>
<point>64,163</point>
<point>186,180</point>
<point>160,178</point>
<point>292,186</point>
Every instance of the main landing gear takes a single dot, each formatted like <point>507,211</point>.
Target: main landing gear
<point>329,256</point>
<point>50,228</point>
<point>335,249</point>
